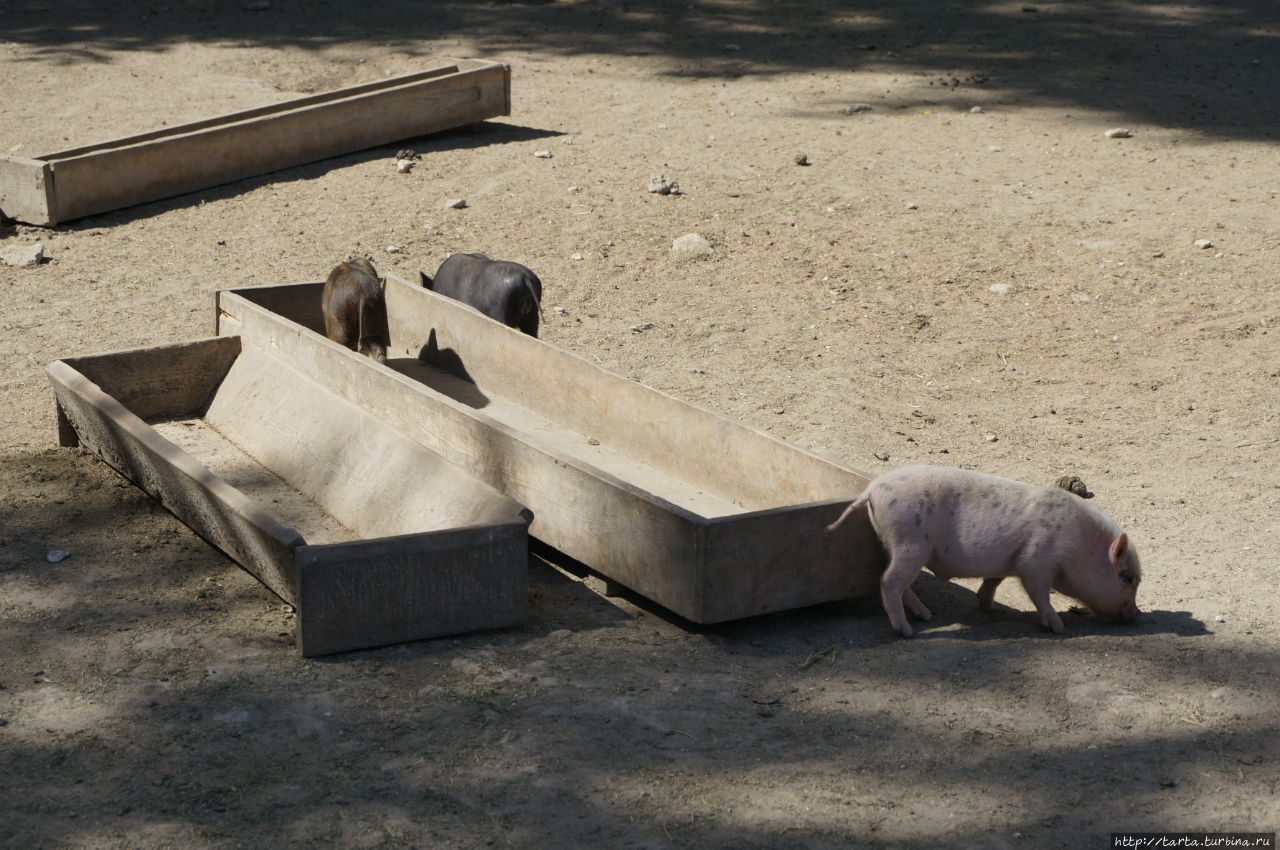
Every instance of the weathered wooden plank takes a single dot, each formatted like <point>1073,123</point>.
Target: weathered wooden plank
<point>741,465</point>
<point>356,467</point>
<point>784,558</point>
<point>179,384</point>
<point>163,163</point>
<point>219,513</point>
<point>389,590</point>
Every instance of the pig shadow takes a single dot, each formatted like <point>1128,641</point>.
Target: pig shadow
<point>954,604</point>
<point>442,370</point>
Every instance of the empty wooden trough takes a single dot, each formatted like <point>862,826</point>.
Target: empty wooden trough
<point>699,513</point>
<point>56,187</point>
<point>372,537</point>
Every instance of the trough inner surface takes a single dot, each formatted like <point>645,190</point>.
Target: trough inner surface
<point>236,467</point>
<point>571,445</point>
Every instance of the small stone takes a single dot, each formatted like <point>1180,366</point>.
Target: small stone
<point>404,166</point>
<point>696,371</point>
<point>455,203</point>
<point>643,326</point>
<point>1203,244</point>
<point>1118,133</point>
<point>1167,782</point>
<point>803,159</point>
<point>561,310</point>
<point>691,245</point>
<point>220,242</point>
<point>976,110</point>
<point>661,185</point>
<point>732,48</point>
<point>856,107</point>
<point>1001,288</point>
<point>394,249</point>
<point>542,154</point>
<point>881,456</point>
<point>1219,619</point>
<point>913,206</point>
<point>23,256</point>
<point>991,437</point>
<point>57,555</point>
<point>575,256</point>
<point>407,153</point>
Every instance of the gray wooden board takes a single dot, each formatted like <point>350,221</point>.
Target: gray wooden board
<point>355,595</point>
<point>57,187</point>
<point>441,558</point>
<point>703,515</point>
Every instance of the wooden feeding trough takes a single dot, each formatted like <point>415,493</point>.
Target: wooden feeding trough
<point>57,187</point>
<point>372,537</point>
<point>703,515</point>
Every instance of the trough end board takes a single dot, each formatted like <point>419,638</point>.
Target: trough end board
<point>784,558</point>
<point>388,590</point>
<point>26,190</point>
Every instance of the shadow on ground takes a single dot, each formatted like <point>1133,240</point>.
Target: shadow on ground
<point>1209,67</point>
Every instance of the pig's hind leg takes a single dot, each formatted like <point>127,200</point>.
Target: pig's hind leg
<point>895,589</point>
<point>987,593</point>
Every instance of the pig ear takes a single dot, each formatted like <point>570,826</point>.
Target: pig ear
<point>1119,548</point>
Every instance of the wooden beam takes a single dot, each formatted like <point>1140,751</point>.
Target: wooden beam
<point>57,187</point>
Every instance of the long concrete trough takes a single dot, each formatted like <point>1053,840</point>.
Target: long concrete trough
<point>699,513</point>
<point>373,538</point>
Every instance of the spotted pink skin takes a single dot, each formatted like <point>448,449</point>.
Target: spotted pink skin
<point>963,524</point>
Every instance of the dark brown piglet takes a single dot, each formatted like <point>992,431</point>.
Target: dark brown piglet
<point>963,524</point>
<point>355,309</point>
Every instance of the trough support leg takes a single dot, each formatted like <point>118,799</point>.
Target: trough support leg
<point>67,435</point>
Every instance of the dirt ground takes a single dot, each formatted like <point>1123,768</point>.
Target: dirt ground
<point>968,273</point>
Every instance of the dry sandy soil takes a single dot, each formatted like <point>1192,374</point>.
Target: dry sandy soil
<point>149,690</point>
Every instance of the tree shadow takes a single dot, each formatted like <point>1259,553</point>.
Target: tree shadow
<point>1207,68</point>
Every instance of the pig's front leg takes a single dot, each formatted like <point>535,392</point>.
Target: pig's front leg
<point>987,593</point>
<point>915,606</point>
<point>1038,589</point>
